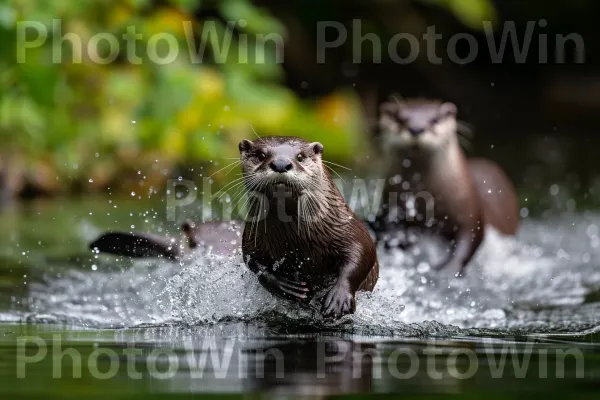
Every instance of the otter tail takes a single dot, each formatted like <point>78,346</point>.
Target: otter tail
<point>220,237</point>
<point>137,245</point>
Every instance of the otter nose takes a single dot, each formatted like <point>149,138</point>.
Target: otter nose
<point>416,130</point>
<point>281,165</point>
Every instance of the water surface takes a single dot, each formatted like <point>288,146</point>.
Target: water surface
<point>534,295</point>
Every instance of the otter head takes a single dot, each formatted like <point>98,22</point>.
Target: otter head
<point>420,126</point>
<point>273,161</point>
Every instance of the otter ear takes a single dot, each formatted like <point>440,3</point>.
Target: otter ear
<point>245,145</point>
<point>317,147</point>
<point>448,109</point>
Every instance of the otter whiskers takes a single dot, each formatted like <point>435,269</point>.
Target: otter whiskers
<point>337,165</point>
<point>335,172</point>
<point>465,134</point>
<point>232,165</point>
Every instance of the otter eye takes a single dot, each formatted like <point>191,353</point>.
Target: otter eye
<point>261,156</point>
<point>300,157</point>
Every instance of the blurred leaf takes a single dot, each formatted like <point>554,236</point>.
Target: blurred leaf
<point>138,4</point>
<point>166,20</point>
<point>258,21</point>
<point>187,5</point>
<point>58,116</point>
<point>470,12</point>
<point>206,145</point>
<point>8,16</point>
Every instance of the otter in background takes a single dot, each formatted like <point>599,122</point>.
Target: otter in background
<point>221,238</point>
<point>432,186</point>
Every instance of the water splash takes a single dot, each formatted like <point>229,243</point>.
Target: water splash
<point>543,281</point>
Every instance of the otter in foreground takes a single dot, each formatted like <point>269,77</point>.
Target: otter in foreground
<point>434,187</point>
<point>303,237</point>
<point>302,233</point>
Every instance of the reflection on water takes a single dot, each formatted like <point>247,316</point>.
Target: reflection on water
<point>238,357</point>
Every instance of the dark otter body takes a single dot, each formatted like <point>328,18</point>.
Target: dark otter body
<point>434,187</point>
<point>305,232</point>
<point>218,237</point>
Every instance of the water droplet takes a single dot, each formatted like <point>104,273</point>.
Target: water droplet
<point>423,268</point>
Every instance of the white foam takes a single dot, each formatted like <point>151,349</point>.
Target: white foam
<point>512,283</point>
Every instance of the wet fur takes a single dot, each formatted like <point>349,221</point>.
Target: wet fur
<point>467,194</point>
<point>218,237</point>
<point>333,248</point>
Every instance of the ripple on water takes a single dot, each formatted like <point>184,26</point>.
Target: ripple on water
<point>544,280</point>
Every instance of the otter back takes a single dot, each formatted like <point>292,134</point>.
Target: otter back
<point>497,195</point>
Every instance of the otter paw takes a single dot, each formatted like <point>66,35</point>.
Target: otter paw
<point>338,302</point>
<point>284,287</point>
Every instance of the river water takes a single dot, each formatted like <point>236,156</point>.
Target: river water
<point>534,296</point>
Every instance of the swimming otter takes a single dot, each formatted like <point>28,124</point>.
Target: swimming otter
<point>433,186</point>
<point>219,237</point>
<point>303,237</point>
<point>303,234</point>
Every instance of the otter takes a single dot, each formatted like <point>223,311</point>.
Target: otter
<point>218,237</point>
<point>301,238</point>
<point>450,195</point>
<point>301,233</point>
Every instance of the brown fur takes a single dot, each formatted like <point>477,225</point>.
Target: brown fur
<point>497,195</point>
<point>464,195</point>
<point>333,249</point>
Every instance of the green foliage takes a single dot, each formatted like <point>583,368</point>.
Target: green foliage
<point>66,120</point>
<point>73,121</point>
<point>469,12</point>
